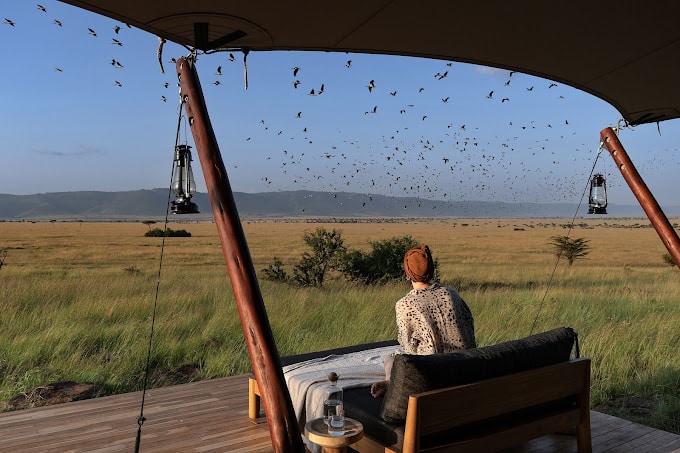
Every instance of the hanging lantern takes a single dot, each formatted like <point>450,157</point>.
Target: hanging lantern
<point>183,183</point>
<point>598,195</point>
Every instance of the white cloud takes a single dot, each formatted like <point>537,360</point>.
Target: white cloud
<point>84,151</point>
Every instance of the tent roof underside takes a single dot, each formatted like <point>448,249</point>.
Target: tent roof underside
<point>627,55</point>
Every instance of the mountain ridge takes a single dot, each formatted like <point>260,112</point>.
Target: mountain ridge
<point>151,203</point>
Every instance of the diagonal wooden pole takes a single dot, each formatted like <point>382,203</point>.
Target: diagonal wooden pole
<point>660,222</point>
<point>283,426</point>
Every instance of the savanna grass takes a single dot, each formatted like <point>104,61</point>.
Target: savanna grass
<point>78,301</point>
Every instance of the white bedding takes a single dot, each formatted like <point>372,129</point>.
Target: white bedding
<point>306,380</point>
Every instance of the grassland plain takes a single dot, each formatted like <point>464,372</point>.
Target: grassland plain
<point>77,300</point>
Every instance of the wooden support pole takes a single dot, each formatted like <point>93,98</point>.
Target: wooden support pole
<point>660,222</point>
<point>283,426</point>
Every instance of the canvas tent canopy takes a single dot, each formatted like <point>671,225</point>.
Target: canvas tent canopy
<point>626,53</point>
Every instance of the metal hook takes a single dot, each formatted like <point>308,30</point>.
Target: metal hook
<point>622,123</point>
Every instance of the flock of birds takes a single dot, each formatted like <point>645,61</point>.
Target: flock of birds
<point>90,31</point>
<point>456,163</point>
<point>456,160</point>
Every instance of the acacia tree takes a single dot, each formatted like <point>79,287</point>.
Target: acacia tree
<point>571,249</point>
<point>149,223</point>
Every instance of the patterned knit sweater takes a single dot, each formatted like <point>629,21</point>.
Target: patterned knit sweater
<point>434,320</point>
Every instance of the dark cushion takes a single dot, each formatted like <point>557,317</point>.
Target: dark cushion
<point>360,405</point>
<point>413,374</point>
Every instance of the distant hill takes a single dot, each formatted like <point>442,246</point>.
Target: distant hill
<point>151,204</point>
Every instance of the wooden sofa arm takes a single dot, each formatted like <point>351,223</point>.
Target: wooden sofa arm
<point>254,399</point>
<point>448,409</point>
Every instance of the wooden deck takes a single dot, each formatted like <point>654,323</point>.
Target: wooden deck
<point>212,416</point>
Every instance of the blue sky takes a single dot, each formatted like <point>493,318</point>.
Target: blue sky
<point>81,112</point>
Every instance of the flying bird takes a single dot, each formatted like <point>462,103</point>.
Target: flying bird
<point>371,85</point>
<point>490,95</point>
<point>118,84</point>
<point>9,22</point>
<point>349,63</point>
<point>295,71</point>
<point>92,32</point>
<point>219,71</point>
<point>116,42</point>
<point>116,29</point>
<point>42,8</point>
<point>57,22</point>
<point>296,83</point>
<point>231,57</point>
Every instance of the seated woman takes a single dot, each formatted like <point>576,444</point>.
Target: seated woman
<point>431,318</point>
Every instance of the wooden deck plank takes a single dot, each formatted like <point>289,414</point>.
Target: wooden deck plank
<point>212,416</point>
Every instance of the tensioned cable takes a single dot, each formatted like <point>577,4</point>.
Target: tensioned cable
<point>141,419</point>
<point>571,225</point>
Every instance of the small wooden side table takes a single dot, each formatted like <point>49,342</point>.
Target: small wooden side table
<point>317,432</point>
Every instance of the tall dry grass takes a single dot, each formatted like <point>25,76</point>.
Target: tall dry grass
<point>77,301</point>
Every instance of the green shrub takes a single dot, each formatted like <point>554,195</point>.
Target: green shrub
<point>158,233</point>
<point>327,247</point>
<point>275,272</point>
<point>383,263</point>
<point>668,259</point>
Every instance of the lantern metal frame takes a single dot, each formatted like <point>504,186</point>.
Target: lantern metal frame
<point>597,201</point>
<point>183,183</point>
